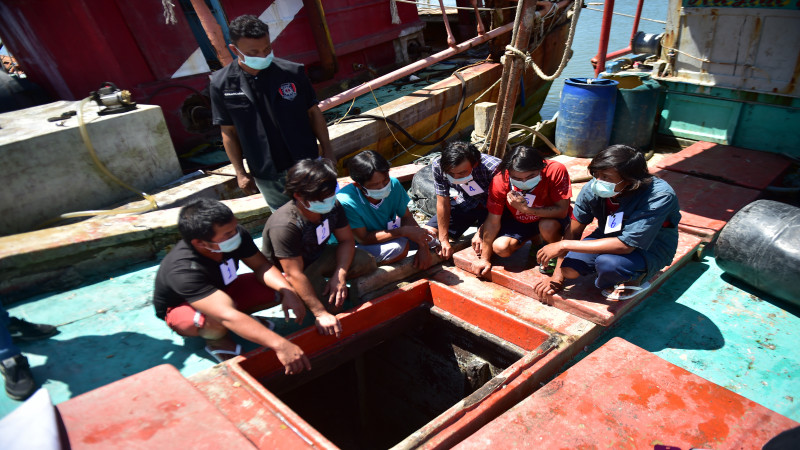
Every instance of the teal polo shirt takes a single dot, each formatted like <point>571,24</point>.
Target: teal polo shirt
<point>363,214</point>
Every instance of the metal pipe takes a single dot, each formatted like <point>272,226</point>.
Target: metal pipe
<point>598,66</point>
<point>600,59</point>
<point>350,94</point>
<point>213,31</point>
<point>451,41</point>
<point>481,30</point>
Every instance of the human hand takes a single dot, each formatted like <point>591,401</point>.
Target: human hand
<point>481,267</point>
<point>327,325</point>
<point>550,251</point>
<point>246,183</point>
<point>445,249</point>
<point>544,288</point>
<point>291,301</point>
<point>292,357</point>
<point>517,200</point>
<point>423,259</point>
<point>477,244</point>
<point>336,290</point>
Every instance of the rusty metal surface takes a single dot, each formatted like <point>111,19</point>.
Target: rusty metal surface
<point>154,409</point>
<point>622,396</point>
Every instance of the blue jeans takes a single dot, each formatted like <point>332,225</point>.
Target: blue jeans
<point>7,347</point>
<point>610,269</point>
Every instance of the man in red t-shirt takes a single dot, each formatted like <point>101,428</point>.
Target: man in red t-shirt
<point>527,197</point>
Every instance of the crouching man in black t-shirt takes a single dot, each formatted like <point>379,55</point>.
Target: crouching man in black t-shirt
<point>199,293</point>
<point>296,238</point>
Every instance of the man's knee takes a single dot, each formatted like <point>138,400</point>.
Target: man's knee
<point>363,263</point>
<point>550,230</point>
<point>394,251</point>
<point>606,263</point>
<point>505,246</point>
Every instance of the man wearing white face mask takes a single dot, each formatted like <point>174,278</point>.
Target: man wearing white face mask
<point>267,112</point>
<point>198,291</point>
<point>296,239</point>
<point>377,209</point>
<point>462,176</point>
<point>637,228</point>
<point>528,197</point>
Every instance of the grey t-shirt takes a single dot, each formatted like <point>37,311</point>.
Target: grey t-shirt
<point>288,234</point>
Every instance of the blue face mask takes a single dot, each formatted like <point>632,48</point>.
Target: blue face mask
<point>229,245</point>
<point>322,207</point>
<point>464,180</point>
<point>256,62</point>
<point>526,185</point>
<point>603,189</point>
<point>380,194</point>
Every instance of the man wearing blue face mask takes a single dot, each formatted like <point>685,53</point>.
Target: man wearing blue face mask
<point>637,231</point>
<point>296,239</point>
<point>199,293</point>
<point>529,196</point>
<point>462,176</point>
<point>267,112</point>
<point>377,209</point>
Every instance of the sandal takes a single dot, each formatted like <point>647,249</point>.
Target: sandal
<point>221,355</point>
<point>549,268</point>
<point>617,293</point>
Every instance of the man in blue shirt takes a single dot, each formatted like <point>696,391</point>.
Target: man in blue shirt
<point>376,206</point>
<point>462,176</point>
<point>637,227</point>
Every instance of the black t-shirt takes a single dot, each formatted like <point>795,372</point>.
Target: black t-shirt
<point>288,234</point>
<point>185,275</point>
<point>270,113</point>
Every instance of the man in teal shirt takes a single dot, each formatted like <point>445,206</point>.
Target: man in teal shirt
<point>376,206</point>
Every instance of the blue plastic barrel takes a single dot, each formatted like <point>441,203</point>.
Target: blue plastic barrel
<point>637,106</point>
<point>585,116</point>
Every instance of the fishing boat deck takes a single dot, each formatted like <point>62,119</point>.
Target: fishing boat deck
<point>698,319</point>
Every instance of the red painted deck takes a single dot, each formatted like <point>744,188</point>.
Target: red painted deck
<point>154,409</point>
<point>581,298</point>
<point>733,165</point>
<point>622,396</point>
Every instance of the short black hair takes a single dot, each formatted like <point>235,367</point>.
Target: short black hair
<point>627,161</point>
<point>456,152</point>
<point>247,26</point>
<point>522,158</point>
<point>364,165</point>
<point>196,220</point>
<point>312,179</point>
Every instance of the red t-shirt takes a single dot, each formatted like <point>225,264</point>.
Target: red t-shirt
<point>555,185</point>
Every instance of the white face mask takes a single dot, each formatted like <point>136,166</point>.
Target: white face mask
<point>323,206</point>
<point>604,189</point>
<point>464,180</point>
<point>380,194</point>
<point>256,62</point>
<point>526,185</point>
<point>228,245</point>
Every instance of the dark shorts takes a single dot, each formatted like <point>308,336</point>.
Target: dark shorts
<point>461,219</point>
<point>511,227</point>
<point>610,269</point>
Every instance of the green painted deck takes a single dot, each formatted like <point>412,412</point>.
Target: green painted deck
<point>700,319</point>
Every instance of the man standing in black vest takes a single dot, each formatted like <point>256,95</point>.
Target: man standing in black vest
<point>267,111</point>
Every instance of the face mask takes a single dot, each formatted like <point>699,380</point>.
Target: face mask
<point>603,189</point>
<point>322,207</point>
<point>379,194</point>
<point>526,185</point>
<point>229,245</point>
<point>256,62</point>
<point>464,180</point>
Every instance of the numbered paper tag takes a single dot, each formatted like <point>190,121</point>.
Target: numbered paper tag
<point>614,223</point>
<point>323,232</point>
<point>457,196</point>
<point>228,269</point>
<point>472,188</point>
<point>393,224</point>
<point>529,198</point>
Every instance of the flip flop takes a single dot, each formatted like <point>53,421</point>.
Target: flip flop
<point>222,355</point>
<point>612,294</point>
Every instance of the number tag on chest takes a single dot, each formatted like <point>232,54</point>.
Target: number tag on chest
<point>323,232</point>
<point>529,198</point>
<point>613,223</point>
<point>472,188</point>
<point>393,224</point>
<point>228,270</point>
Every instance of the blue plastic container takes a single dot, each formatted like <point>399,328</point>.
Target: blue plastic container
<point>585,116</point>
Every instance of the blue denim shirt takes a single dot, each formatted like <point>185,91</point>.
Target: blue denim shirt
<point>649,223</point>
